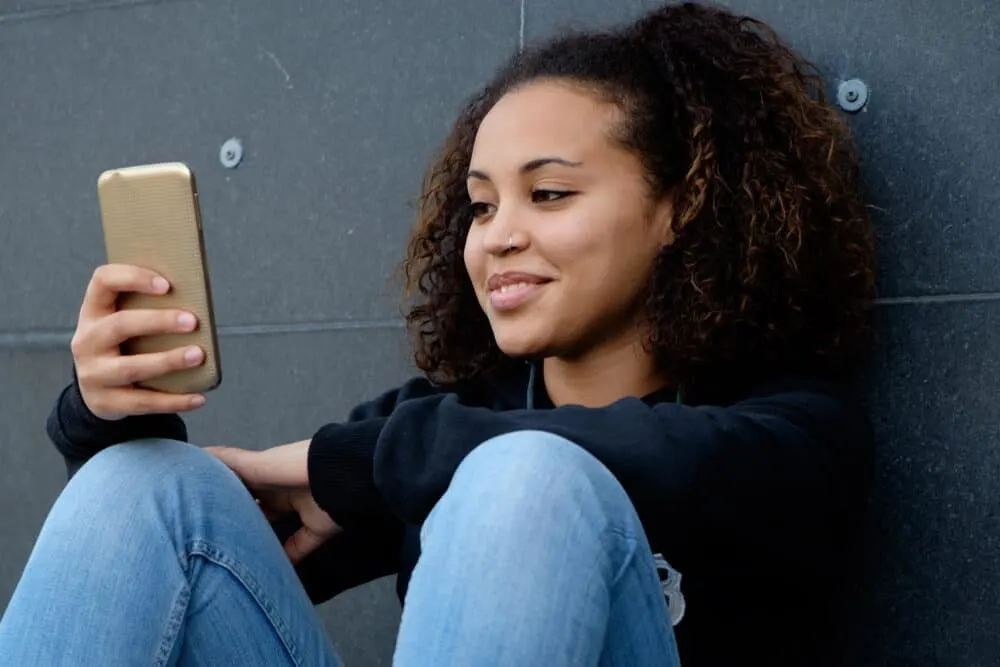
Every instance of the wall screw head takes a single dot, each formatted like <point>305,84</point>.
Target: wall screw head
<point>231,153</point>
<point>852,95</point>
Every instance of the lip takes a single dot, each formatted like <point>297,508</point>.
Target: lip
<point>498,280</point>
<point>521,288</point>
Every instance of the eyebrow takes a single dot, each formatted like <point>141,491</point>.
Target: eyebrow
<point>528,167</point>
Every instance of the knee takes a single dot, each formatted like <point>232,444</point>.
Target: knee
<point>530,458</point>
<point>538,476</point>
<point>128,473</point>
<point>148,460</point>
<point>534,459</point>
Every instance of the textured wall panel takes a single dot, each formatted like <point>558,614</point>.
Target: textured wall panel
<point>929,593</point>
<point>339,105</point>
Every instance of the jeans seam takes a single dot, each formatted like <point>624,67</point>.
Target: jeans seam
<point>632,541</point>
<point>172,629</point>
<point>218,557</point>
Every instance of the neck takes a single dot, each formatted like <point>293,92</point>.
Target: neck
<point>602,376</point>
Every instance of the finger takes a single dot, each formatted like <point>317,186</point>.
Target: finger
<point>134,401</point>
<point>282,468</point>
<point>302,543</point>
<point>125,371</point>
<point>228,455</point>
<point>244,463</point>
<point>118,327</point>
<point>110,280</point>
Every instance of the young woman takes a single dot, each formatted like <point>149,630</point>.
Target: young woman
<point>641,269</point>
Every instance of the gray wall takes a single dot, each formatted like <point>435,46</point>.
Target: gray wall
<point>339,105</point>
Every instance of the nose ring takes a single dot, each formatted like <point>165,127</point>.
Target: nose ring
<point>510,243</point>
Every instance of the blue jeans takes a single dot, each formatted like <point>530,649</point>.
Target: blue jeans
<point>155,554</point>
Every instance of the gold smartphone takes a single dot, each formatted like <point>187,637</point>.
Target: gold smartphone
<point>151,218</point>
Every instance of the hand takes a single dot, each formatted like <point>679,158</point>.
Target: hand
<point>106,377</point>
<point>279,479</point>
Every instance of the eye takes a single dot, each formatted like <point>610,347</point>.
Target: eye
<point>480,209</point>
<point>548,196</point>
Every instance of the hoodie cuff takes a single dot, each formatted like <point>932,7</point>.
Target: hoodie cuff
<point>340,464</point>
<point>79,433</point>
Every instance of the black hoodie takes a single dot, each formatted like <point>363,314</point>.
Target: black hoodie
<point>754,501</point>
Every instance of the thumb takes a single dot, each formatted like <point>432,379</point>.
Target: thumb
<point>302,543</point>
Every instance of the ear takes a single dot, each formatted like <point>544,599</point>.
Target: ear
<point>663,220</point>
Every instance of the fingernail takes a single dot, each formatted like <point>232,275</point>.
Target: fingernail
<point>160,284</point>
<point>197,401</point>
<point>186,320</point>
<point>192,355</point>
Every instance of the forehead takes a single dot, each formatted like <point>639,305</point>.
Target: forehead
<point>544,119</point>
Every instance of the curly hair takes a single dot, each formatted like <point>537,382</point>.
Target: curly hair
<point>772,267</point>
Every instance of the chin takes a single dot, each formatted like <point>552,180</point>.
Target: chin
<point>519,344</point>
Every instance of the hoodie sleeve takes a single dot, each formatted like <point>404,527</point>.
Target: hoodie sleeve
<point>778,472</point>
<point>341,457</point>
<point>340,478</point>
<point>78,434</point>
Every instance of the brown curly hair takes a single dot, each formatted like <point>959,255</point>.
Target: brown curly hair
<point>772,269</point>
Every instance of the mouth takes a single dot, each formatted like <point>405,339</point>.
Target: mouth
<point>513,279</point>
<point>513,287</point>
<point>510,291</point>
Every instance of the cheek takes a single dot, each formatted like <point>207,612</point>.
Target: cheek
<point>474,257</point>
<point>578,248</point>
<point>607,260</point>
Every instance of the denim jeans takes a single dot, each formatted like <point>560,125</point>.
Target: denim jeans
<point>155,554</point>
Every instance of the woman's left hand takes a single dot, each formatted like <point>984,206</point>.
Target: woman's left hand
<point>279,478</point>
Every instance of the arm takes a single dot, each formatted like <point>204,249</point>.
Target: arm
<point>340,458</point>
<point>340,473</point>
<point>774,476</point>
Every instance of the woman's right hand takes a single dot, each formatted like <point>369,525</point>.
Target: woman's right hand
<point>106,377</point>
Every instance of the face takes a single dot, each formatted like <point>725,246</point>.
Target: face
<point>564,232</point>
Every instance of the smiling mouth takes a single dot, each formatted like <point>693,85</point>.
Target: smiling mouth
<point>513,287</point>
<point>512,296</point>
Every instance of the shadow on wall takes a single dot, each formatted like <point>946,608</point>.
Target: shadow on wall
<point>925,591</point>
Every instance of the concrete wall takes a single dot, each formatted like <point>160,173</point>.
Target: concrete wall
<point>339,105</point>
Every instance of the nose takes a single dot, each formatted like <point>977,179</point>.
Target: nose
<point>502,236</point>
